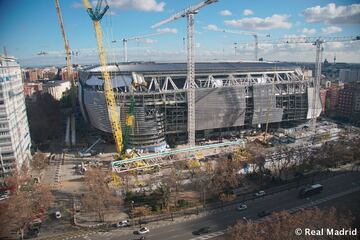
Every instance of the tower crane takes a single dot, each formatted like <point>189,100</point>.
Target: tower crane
<point>254,34</point>
<point>136,38</point>
<point>318,43</point>
<point>70,73</point>
<point>189,13</point>
<point>96,15</point>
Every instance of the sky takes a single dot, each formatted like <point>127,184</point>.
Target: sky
<point>29,27</point>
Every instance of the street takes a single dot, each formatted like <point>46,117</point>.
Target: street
<point>220,221</point>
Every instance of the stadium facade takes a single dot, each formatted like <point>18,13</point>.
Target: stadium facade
<point>230,96</point>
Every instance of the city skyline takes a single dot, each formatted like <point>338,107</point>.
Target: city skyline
<point>25,33</point>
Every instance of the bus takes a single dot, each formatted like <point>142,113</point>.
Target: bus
<point>309,191</point>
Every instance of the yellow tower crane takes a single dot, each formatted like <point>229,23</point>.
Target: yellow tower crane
<point>96,15</point>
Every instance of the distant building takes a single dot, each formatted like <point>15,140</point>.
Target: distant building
<point>349,75</point>
<point>14,129</point>
<point>31,88</point>
<point>56,88</point>
<point>349,100</point>
<point>323,97</point>
<point>333,96</point>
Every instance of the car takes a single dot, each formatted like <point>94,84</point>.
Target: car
<point>260,193</point>
<point>4,197</point>
<point>57,214</point>
<point>123,223</point>
<point>201,231</point>
<point>241,207</point>
<point>264,214</point>
<point>142,230</point>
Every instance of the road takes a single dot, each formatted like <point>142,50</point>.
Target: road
<point>220,221</point>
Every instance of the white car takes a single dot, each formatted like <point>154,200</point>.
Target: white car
<point>260,193</point>
<point>143,230</point>
<point>57,214</point>
<point>241,207</point>
<point>124,223</point>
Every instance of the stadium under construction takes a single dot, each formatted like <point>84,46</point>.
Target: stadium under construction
<point>230,96</point>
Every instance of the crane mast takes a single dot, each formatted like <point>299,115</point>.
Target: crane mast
<point>191,79</point>
<point>70,76</point>
<point>189,13</point>
<point>318,43</point>
<point>96,15</point>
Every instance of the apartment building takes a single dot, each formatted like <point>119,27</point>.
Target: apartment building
<point>14,129</point>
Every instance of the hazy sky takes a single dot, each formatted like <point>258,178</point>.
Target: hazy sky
<point>28,27</point>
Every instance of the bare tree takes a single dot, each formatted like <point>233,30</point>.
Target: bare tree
<point>282,225</point>
<point>39,161</point>
<point>99,198</point>
<point>140,212</point>
<point>174,182</point>
<point>28,200</point>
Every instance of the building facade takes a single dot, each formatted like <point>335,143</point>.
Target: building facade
<point>57,88</point>
<point>349,75</point>
<point>349,100</point>
<point>230,96</point>
<point>14,128</point>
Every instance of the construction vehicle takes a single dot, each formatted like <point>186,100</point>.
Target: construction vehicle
<point>96,16</point>
<point>254,34</point>
<point>87,152</point>
<point>70,76</point>
<point>135,38</point>
<point>189,13</point>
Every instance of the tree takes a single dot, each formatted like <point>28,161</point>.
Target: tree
<point>282,225</point>
<point>174,181</point>
<point>226,176</point>
<point>99,197</point>
<point>194,166</point>
<point>139,212</point>
<point>28,200</point>
<point>39,161</point>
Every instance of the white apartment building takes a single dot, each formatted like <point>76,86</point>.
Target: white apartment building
<point>14,128</point>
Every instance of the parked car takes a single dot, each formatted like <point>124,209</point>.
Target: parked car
<point>260,193</point>
<point>4,197</point>
<point>241,207</point>
<point>57,214</point>
<point>142,230</point>
<point>203,230</point>
<point>264,214</point>
<point>124,223</point>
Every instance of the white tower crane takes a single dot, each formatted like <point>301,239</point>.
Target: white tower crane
<point>189,13</point>
<point>318,42</point>
<point>254,34</point>
<point>136,38</point>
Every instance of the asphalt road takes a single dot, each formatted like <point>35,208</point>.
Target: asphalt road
<point>220,221</point>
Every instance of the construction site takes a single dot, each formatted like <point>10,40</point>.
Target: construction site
<point>151,108</point>
<point>145,142</point>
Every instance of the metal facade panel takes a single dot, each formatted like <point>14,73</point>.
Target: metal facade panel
<point>265,105</point>
<point>97,111</point>
<point>318,105</point>
<point>220,107</point>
